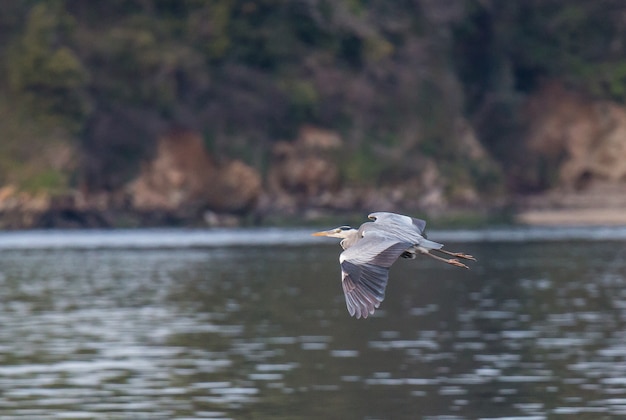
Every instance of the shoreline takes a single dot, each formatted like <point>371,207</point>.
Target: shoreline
<point>572,217</point>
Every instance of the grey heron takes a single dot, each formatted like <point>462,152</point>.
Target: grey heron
<point>371,249</point>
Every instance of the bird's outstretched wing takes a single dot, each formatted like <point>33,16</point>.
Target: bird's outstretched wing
<point>365,271</point>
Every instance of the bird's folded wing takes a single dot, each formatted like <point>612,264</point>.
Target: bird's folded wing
<point>365,271</point>
<point>402,228</point>
<point>399,220</point>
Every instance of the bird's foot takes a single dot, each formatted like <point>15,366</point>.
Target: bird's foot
<point>464,256</point>
<point>451,261</point>
<point>456,263</point>
<point>456,254</point>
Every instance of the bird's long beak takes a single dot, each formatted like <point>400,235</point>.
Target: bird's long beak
<point>322,233</point>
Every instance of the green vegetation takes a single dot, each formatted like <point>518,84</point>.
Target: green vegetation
<point>104,78</point>
<point>35,154</point>
<point>44,71</point>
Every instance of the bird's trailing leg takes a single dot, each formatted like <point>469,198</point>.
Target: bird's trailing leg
<point>452,261</point>
<point>456,254</point>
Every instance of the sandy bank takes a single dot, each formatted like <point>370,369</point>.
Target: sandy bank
<point>573,217</point>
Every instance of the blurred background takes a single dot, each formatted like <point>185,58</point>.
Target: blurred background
<point>255,118</point>
<point>227,112</point>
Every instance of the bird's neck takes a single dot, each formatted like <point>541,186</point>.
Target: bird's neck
<point>350,239</point>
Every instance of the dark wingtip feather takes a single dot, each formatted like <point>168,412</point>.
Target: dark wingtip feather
<point>364,295</point>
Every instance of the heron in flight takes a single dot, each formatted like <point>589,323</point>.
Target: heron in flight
<point>371,249</point>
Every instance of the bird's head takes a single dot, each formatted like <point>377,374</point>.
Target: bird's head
<point>341,232</point>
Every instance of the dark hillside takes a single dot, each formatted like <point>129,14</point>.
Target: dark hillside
<point>430,104</point>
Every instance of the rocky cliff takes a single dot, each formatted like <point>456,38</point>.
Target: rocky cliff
<point>581,143</point>
<point>573,153</point>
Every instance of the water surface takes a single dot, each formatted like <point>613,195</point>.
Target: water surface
<point>231,324</point>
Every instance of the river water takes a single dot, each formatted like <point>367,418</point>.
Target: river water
<point>251,324</point>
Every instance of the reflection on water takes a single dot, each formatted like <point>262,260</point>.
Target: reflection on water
<point>534,330</point>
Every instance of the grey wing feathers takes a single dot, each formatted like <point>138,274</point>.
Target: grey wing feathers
<point>364,287</point>
<point>365,271</point>
<point>404,228</point>
<point>399,219</point>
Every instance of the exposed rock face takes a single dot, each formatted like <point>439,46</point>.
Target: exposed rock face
<point>19,209</point>
<point>304,169</point>
<point>304,176</point>
<point>177,176</point>
<point>583,141</point>
<point>235,188</point>
<point>182,179</point>
<point>586,139</point>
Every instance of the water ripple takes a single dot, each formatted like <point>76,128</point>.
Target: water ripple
<point>535,331</point>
